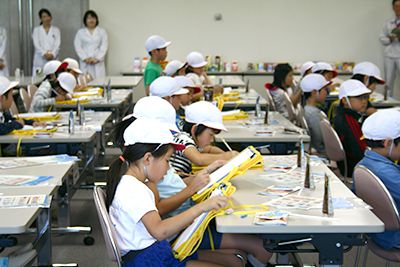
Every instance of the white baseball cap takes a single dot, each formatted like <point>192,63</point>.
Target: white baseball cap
<point>67,82</point>
<point>185,82</point>
<point>368,69</point>
<point>306,67</point>
<point>383,124</point>
<point>166,86</point>
<point>6,85</point>
<point>313,82</point>
<point>155,42</point>
<point>196,60</point>
<point>172,67</point>
<point>149,131</point>
<point>53,66</point>
<point>154,107</point>
<point>203,112</point>
<point>73,65</point>
<point>323,66</point>
<point>352,88</point>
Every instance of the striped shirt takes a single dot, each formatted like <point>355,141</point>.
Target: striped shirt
<point>178,160</point>
<point>42,98</point>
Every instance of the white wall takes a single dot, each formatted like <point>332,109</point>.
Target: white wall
<point>250,31</point>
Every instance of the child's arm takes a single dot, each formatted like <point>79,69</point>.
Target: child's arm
<point>162,229</point>
<point>170,204</point>
<point>202,159</point>
<point>10,124</point>
<point>213,150</point>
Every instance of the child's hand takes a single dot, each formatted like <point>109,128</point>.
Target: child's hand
<point>68,97</point>
<point>60,98</point>
<point>215,165</point>
<point>21,121</point>
<point>214,203</point>
<point>231,154</point>
<point>218,89</point>
<point>39,124</point>
<point>198,182</point>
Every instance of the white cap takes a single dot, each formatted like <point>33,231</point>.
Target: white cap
<point>149,131</point>
<point>368,69</point>
<point>383,124</point>
<point>320,66</point>
<point>73,65</point>
<point>306,67</point>
<point>352,88</point>
<point>196,60</point>
<point>203,112</point>
<point>155,42</point>
<point>53,66</point>
<point>154,107</point>
<point>172,67</point>
<point>6,85</point>
<point>67,82</point>
<point>184,81</point>
<point>166,86</point>
<point>313,82</point>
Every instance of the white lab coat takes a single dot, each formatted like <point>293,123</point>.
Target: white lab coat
<point>3,46</point>
<point>45,42</point>
<point>92,45</point>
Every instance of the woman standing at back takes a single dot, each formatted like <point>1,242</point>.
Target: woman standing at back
<point>46,40</point>
<point>91,44</point>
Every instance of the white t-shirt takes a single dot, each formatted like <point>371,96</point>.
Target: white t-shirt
<point>197,80</point>
<point>132,200</point>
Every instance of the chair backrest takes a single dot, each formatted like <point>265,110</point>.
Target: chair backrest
<point>88,77</point>
<point>82,80</point>
<point>289,107</point>
<point>333,147</point>
<point>106,225</point>
<point>372,190</point>
<point>301,120</point>
<point>271,103</point>
<point>26,99</point>
<point>14,109</point>
<point>32,90</point>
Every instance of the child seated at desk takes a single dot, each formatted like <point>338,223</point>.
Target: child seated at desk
<point>175,68</point>
<point>283,83</point>
<point>350,115</point>
<point>382,135</point>
<point>186,99</point>
<point>202,122</point>
<point>143,157</point>
<point>370,75</point>
<point>197,73</point>
<point>7,122</point>
<point>46,96</point>
<point>73,68</point>
<point>315,90</point>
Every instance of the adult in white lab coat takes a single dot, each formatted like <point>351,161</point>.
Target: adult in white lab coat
<point>91,44</point>
<point>3,46</point>
<point>46,40</point>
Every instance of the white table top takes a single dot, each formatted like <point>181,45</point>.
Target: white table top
<point>117,81</point>
<point>94,120</point>
<point>239,132</point>
<point>118,97</point>
<point>358,220</point>
<point>18,220</point>
<point>247,100</point>
<point>228,81</point>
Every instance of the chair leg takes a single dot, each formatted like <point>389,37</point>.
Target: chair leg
<point>365,257</point>
<point>387,264</point>
<point>357,256</point>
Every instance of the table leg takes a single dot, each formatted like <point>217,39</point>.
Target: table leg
<point>44,253</point>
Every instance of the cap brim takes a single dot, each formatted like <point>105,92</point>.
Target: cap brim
<point>172,127</point>
<point>326,84</point>
<point>11,86</point>
<point>166,44</point>
<point>360,92</point>
<point>182,91</point>
<point>199,65</point>
<point>78,71</point>
<point>63,66</point>
<point>216,126</point>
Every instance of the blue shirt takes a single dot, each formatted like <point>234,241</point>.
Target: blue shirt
<point>389,173</point>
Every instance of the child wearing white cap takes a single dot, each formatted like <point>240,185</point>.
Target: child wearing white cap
<point>305,69</point>
<point>315,90</point>
<point>382,134</point>
<point>45,97</point>
<point>7,122</point>
<point>156,47</point>
<point>324,69</point>
<point>73,68</point>
<point>348,120</point>
<point>202,122</point>
<point>140,231</point>
<point>186,99</point>
<point>175,68</point>
<point>369,74</point>
<point>196,72</point>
